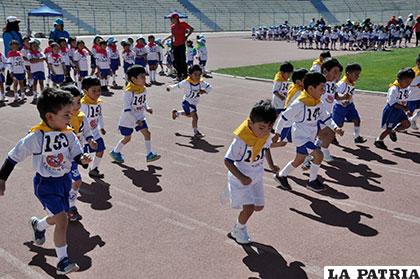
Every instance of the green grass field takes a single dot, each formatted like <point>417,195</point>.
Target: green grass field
<point>378,68</point>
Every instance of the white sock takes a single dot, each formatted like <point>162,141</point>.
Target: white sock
<point>180,112</point>
<point>73,197</point>
<point>153,75</point>
<point>415,116</point>
<point>148,145</point>
<point>289,168</point>
<point>35,94</point>
<point>313,172</point>
<point>195,130</point>
<point>119,146</point>
<point>61,252</point>
<point>16,95</point>
<point>356,131</point>
<point>95,162</point>
<point>42,224</point>
<point>113,78</point>
<point>239,225</point>
<point>106,81</point>
<point>325,151</point>
<point>378,139</point>
<point>102,82</point>
<point>30,82</point>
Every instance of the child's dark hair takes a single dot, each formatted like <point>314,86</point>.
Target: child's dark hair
<point>299,74</point>
<point>189,42</point>
<point>102,42</point>
<point>61,39</point>
<point>72,39</point>
<point>286,67</point>
<point>325,54</point>
<point>134,71</point>
<point>330,63</point>
<point>263,111</point>
<point>406,73</point>
<point>353,67</point>
<point>80,42</point>
<point>52,100</point>
<point>89,82</point>
<point>13,42</point>
<point>313,79</point>
<point>194,68</point>
<point>150,37</point>
<point>74,91</point>
<point>54,44</point>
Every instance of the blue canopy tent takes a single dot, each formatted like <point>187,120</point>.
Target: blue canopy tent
<point>43,11</point>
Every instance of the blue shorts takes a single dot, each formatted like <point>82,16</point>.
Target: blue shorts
<point>188,108</point>
<point>38,76</point>
<point>392,116</point>
<point>303,149</point>
<point>2,79</point>
<point>53,192</point>
<point>115,64</point>
<point>19,76</point>
<point>413,105</point>
<point>59,79</point>
<point>202,62</point>
<point>74,173</point>
<point>347,113</point>
<point>129,131</point>
<point>101,146</point>
<point>190,63</point>
<point>286,133</point>
<point>83,74</point>
<point>105,73</point>
<point>126,66</point>
<point>152,62</point>
<point>140,61</point>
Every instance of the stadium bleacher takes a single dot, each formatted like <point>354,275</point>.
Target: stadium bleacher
<point>143,16</point>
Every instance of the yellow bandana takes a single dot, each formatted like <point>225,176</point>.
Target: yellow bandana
<point>307,99</point>
<point>293,89</point>
<point>189,79</point>
<point>317,62</point>
<point>131,87</point>
<point>42,126</point>
<point>76,121</point>
<point>89,101</point>
<point>344,79</point>
<point>279,78</point>
<point>416,70</point>
<point>248,136</point>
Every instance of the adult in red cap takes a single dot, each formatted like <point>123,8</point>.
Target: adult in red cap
<point>180,31</point>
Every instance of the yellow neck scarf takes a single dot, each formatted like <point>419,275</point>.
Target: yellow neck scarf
<point>345,79</point>
<point>317,62</point>
<point>76,121</point>
<point>136,89</point>
<point>89,101</point>
<point>307,99</point>
<point>279,78</point>
<point>397,84</point>
<point>248,136</point>
<point>293,89</point>
<point>416,70</point>
<point>42,126</point>
<point>189,79</point>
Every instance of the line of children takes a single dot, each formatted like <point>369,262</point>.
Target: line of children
<point>193,87</point>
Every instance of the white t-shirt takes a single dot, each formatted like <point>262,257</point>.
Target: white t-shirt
<point>129,57</point>
<point>342,89</point>
<point>134,107</point>
<point>102,60</point>
<point>16,62</point>
<point>94,117</point>
<point>57,63</point>
<point>36,66</point>
<point>397,95</point>
<point>113,54</point>
<point>281,88</point>
<point>191,90</point>
<point>80,57</point>
<point>202,53</point>
<point>329,96</point>
<point>152,52</point>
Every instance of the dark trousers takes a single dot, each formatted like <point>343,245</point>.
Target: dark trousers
<point>417,38</point>
<point>180,63</point>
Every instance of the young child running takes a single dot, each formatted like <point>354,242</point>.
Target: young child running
<point>301,120</point>
<point>316,65</point>
<point>133,114</point>
<point>53,146</point>
<point>78,122</point>
<point>296,87</point>
<point>92,108</point>
<point>194,86</point>
<point>280,86</point>
<point>344,108</point>
<point>394,117</point>
<point>245,162</point>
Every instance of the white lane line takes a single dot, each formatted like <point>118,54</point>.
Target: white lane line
<point>20,265</point>
<point>7,276</point>
<point>179,224</point>
<point>125,205</point>
<point>182,164</point>
<point>310,268</point>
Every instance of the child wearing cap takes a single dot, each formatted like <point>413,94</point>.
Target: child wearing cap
<point>153,57</point>
<point>141,52</point>
<point>17,70</point>
<point>37,59</point>
<point>114,56</point>
<point>103,65</point>
<point>64,52</point>
<point>56,65</point>
<point>80,59</point>
<point>128,56</point>
<point>25,51</point>
<point>202,55</point>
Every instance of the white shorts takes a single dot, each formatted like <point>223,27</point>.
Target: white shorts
<point>240,194</point>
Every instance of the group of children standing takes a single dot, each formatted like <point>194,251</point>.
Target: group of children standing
<point>308,113</point>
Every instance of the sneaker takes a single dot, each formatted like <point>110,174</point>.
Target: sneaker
<point>152,157</point>
<point>307,163</point>
<point>393,136</point>
<point>73,214</point>
<point>34,100</point>
<point>174,114</point>
<point>315,185</point>
<point>413,125</point>
<point>335,141</point>
<point>198,135</point>
<point>65,266</point>
<point>117,157</point>
<point>2,98</point>
<point>94,173</point>
<point>360,139</point>
<point>282,180</point>
<point>39,236</point>
<point>327,156</point>
<point>380,144</point>
<point>240,235</point>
